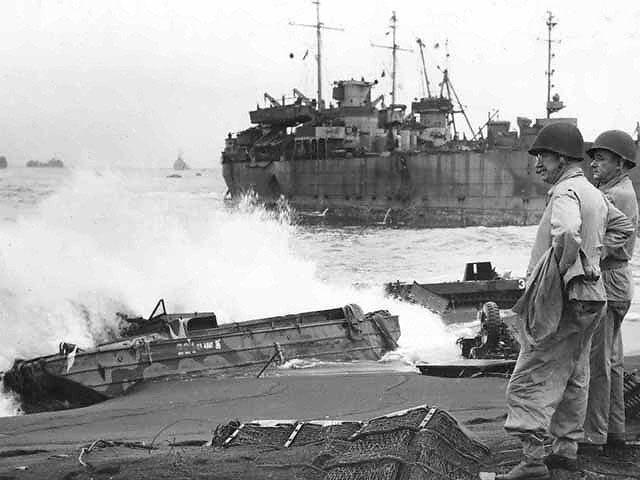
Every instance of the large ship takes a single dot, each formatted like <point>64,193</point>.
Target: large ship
<point>360,161</point>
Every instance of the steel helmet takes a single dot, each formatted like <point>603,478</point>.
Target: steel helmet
<point>559,137</point>
<point>618,142</point>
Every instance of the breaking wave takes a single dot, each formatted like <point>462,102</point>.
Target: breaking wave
<point>107,243</point>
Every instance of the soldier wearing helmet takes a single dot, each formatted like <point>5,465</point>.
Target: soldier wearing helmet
<point>613,153</point>
<point>547,392</point>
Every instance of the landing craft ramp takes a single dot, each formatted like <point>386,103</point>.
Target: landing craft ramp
<point>461,301</point>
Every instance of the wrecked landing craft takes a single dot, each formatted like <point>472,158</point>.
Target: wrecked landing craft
<point>462,301</point>
<point>187,343</point>
<point>493,351</point>
<point>480,296</point>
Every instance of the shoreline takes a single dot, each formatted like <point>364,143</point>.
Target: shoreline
<point>188,410</point>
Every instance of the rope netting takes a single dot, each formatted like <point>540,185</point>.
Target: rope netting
<point>420,443</point>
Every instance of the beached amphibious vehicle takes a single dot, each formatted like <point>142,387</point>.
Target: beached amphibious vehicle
<point>480,296</point>
<point>462,301</point>
<point>195,343</point>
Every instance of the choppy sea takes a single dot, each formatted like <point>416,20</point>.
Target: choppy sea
<point>77,246</point>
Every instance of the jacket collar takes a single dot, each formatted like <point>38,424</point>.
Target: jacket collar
<point>571,172</point>
<point>613,182</point>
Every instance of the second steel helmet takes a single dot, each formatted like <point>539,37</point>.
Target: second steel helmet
<point>618,142</point>
<point>560,137</point>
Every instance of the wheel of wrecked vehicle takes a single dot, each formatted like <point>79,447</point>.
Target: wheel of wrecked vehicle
<point>490,325</point>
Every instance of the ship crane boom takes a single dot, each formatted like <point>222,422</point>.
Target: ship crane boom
<point>302,97</point>
<point>489,119</point>
<point>447,87</point>
<point>272,101</point>
<point>424,65</point>
<point>378,100</point>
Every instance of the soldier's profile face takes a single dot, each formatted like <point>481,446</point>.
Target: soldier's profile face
<point>604,165</point>
<point>548,166</point>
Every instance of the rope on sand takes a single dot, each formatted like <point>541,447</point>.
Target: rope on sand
<point>197,420</point>
<point>108,443</point>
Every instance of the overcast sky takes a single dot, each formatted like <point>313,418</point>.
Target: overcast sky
<point>132,82</point>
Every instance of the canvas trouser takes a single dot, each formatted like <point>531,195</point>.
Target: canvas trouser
<point>605,410</point>
<point>547,392</point>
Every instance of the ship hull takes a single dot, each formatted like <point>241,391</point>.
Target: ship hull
<point>444,189</point>
<point>110,370</point>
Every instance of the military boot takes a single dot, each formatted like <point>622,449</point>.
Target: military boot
<point>555,461</point>
<point>616,440</point>
<point>528,469</point>
<point>590,449</point>
<point>615,443</point>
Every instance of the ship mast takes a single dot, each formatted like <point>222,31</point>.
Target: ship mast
<point>394,22</point>
<point>319,26</point>
<point>394,49</point>
<point>553,104</point>
<point>319,52</point>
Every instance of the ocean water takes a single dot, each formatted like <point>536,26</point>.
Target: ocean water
<point>77,246</point>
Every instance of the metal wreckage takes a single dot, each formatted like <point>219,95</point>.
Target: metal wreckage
<point>479,296</point>
<point>173,344</point>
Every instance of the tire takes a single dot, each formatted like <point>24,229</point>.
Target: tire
<point>490,325</point>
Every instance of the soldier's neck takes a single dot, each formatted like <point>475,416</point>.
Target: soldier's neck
<point>613,178</point>
<point>570,169</point>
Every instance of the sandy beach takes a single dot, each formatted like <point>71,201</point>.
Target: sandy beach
<point>179,411</point>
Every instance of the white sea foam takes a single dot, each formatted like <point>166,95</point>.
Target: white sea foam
<point>9,405</point>
<point>105,243</point>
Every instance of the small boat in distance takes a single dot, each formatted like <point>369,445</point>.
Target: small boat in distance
<point>53,163</point>
<point>195,343</point>
<point>180,164</point>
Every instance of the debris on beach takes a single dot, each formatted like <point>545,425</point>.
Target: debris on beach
<point>422,442</point>
<point>196,343</point>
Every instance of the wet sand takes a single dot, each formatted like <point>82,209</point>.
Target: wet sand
<point>180,410</point>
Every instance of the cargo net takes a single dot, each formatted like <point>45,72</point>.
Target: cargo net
<point>421,443</point>
<point>632,395</point>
